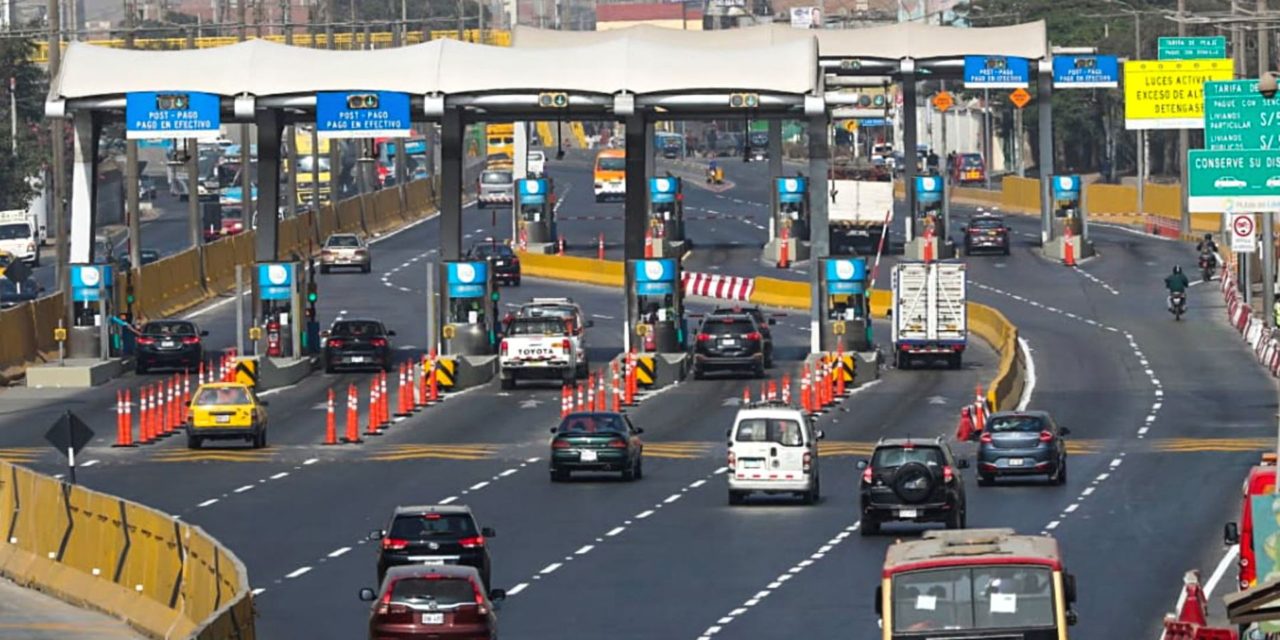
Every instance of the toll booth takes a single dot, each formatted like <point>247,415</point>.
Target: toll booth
<point>1069,220</point>
<point>655,306</point>
<point>92,295</point>
<point>469,308</point>
<point>926,228</point>
<point>279,296</point>
<point>535,212</point>
<point>791,207</point>
<point>844,308</point>
<point>666,215</point>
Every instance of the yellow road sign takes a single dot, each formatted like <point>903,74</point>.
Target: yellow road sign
<point>448,332</point>
<point>838,327</point>
<point>255,333</point>
<point>60,334</point>
<point>851,125</point>
<point>1169,94</point>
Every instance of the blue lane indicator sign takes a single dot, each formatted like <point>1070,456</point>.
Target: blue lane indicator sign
<point>1066,188</point>
<point>468,279</point>
<point>533,191</point>
<point>655,277</point>
<point>928,189</point>
<point>846,275</point>
<point>791,189</point>
<point>85,280</point>
<point>1086,72</point>
<point>996,72</point>
<point>171,114</point>
<point>275,281</point>
<point>662,190</point>
<point>362,114</point>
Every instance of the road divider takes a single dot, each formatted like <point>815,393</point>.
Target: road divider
<point>166,578</point>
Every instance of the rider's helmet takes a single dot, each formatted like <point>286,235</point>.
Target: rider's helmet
<point>1208,237</point>
<point>1177,269</point>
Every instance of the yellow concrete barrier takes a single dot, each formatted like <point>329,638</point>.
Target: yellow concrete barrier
<point>1020,194</point>
<point>607,273</point>
<point>166,578</point>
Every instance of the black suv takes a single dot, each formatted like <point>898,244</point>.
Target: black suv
<point>363,344</point>
<point>912,481</point>
<point>436,534</point>
<point>730,342</point>
<point>986,233</point>
<point>501,258</point>
<point>763,322</point>
<point>169,343</point>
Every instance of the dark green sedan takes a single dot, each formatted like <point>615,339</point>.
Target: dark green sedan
<point>599,441</point>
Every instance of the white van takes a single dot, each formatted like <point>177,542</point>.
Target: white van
<point>19,235</point>
<point>773,448</point>
<point>537,163</point>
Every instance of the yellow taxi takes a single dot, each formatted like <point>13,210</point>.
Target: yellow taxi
<point>227,411</point>
<point>6,259</point>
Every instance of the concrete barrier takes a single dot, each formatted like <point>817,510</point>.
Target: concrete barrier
<point>607,273</point>
<point>166,578</point>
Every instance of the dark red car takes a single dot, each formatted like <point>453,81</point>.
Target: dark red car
<point>433,601</point>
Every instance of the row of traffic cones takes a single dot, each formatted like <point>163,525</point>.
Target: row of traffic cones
<point>973,417</point>
<point>163,408</point>
<point>608,390</point>
<point>415,390</point>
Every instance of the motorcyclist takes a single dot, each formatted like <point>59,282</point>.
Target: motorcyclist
<point>1176,282</point>
<point>1207,244</point>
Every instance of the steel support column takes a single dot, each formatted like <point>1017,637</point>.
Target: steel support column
<point>637,191</point>
<point>819,232</point>
<point>451,152</point>
<point>650,152</point>
<point>908,143</point>
<point>1044,101</point>
<point>84,186</point>
<point>775,150</point>
<point>267,238</point>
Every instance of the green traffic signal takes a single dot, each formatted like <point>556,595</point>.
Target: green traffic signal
<point>312,297</point>
<point>493,296</point>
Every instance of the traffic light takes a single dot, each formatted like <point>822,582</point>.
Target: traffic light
<point>864,100</point>
<point>553,100</point>
<point>744,100</point>
<point>312,296</point>
<point>128,295</point>
<point>494,296</point>
<point>362,101</point>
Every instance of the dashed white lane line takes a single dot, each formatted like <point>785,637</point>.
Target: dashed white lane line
<point>585,549</point>
<point>449,500</point>
<point>90,463</point>
<point>244,488</point>
<point>549,569</point>
<point>279,475</point>
<point>208,502</point>
<point>337,553</point>
<point>257,591</point>
<point>1096,280</point>
<point>615,531</point>
<point>479,485</point>
<point>297,572</point>
<point>644,514</point>
<point>518,588</point>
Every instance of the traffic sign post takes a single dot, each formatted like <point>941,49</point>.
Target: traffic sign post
<point>1243,238</point>
<point>1235,180</point>
<point>1237,117</point>
<point>1199,48</point>
<point>69,434</point>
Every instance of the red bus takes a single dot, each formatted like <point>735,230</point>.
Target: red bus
<point>415,148</point>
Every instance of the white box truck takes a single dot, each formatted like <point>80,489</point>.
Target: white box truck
<point>930,312</point>
<point>857,215</point>
<point>20,235</point>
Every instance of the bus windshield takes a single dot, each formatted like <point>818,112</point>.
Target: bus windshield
<point>973,598</point>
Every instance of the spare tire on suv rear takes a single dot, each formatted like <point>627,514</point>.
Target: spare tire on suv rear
<point>913,482</point>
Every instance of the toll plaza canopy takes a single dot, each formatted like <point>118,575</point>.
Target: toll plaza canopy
<point>446,68</point>
<point>889,42</point>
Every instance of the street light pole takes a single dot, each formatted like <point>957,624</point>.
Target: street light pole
<point>1184,142</point>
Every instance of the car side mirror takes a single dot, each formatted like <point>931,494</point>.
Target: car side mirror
<point>639,430</point>
<point>377,534</point>
<point>1064,431</point>
<point>553,429</point>
<point>497,595</point>
<point>862,464</point>
<point>1072,618</point>
<point>962,464</point>
<point>1231,534</point>
<point>488,532</point>
<point>367,595</point>
<point>324,334</point>
<point>589,323</point>
<point>391,334</point>
<point>204,334</point>
<point>820,434</point>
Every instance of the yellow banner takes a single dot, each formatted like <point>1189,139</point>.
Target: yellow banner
<point>1169,94</point>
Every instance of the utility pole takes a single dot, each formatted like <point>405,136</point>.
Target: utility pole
<point>246,140</point>
<point>56,210</point>
<point>1264,41</point>
<point>1184,140</point>
<point>1141,151</point>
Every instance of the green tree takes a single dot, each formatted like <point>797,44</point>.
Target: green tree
<point>32,146</point>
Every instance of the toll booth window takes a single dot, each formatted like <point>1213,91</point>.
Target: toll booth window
<point>784,432</point>
<point>466,310</point>
<point>356,329</point>
<point>654,310</point>
<point>537,327</point>
<point>223,396</point>
<point>851,307</point>
<point>306,163</point>
<point>664,207</point>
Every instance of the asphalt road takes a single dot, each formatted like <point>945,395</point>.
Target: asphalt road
<point>1165,416</point>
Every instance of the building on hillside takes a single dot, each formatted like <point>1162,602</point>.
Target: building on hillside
<point>672,15</point>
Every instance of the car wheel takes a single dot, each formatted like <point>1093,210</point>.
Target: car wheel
<point>955,520</point>
<point>698,373</point>
<point>736,497</point>
<point>985,480</point>
<point>955,361</point>
<point>1061,478</point>
<point>387,366</point>
<point>629,474</point>
<point>260,440</point>
<point>583,369</point>
<point>366,268</point>
<point>559,475</point>
<point>1006,251</point>
<point>639,467</point>
<point>328,368</point>
<point>193,442</point>
<point>508,383</point>
<point>869,527</point>
<point>759,370</point>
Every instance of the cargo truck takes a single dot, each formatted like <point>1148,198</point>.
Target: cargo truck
<point>857,215</point>
<point>930,313</point>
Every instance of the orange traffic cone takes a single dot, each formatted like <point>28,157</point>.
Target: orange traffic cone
<point>784,249</point>
<point>1068,249</point>
<point>330,422</point>
<point>353,415</point>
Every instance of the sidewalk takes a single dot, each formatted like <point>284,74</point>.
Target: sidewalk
<point>26,614</point>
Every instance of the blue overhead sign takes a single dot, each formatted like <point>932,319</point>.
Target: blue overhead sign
<point>996,72</point>
<point>86,279</point>
<point>655,277</point>
<point>171,114</point>
<point>791,189</point>
<point>468,279</point>
<point>362,114</point>
<point>662,190</point>
<point>846,275</point>
<point>1086,72</point>
<point>275,281</point>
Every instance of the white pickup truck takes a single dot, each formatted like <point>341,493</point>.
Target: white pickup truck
<point>543,348</point>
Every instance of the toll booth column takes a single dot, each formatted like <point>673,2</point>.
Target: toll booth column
<point>657,309</point>
<point>792,215</point>
<point>928,218</point>
<point>535,210</point>
<point>277,282</point>
<point>666,208</point>
<point>845,308</point>
<point>1068,211</point>
<point>470,309</point>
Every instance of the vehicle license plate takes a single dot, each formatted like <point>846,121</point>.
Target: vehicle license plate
<point>1015,462</point>
<point>907,513</point>
<point>728,342</point>
<point>224,419</point>
<point>357,358</point>
<point>587,456</point>
<point>433,618</point>
<point>752,464</point>
<point>168,343</point>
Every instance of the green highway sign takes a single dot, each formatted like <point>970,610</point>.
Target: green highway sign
<point>1236,117</point>
<point>1229,181</point>
<point>1198,48</point>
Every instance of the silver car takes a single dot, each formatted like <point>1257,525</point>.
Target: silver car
<point>496,188</point>
<point>345,250</point>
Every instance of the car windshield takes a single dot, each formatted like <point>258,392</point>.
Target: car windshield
<point>898,456</point>
<point>343,241</point>
<point>487,250</point>
<point>432,525</point>
<point>222,396</point>
<point>728,325</point>
<point>981,597</point>
<point>14,231</point>
<point>232,213</point>
<point>592,424</point>
<point>496,177</point>
<point>536,327</point>
<point>972,162</point>
<point>5,259</point>
<point>784,432</point>
<point>444,593</point>
<point>611,164</point>
<point>1015,424</point>
<point>356,329</point>
<point>169,329</point>
<point>986,223</point>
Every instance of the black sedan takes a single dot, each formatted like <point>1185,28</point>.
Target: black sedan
<point>1022,443</point>
<point>15,293</point>
<point>169,343</point>
<point>146,256</point>
<point>502,259</point>
<point>357,344</point>
<point>601,441</point>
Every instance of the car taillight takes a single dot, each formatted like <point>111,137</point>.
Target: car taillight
<point>361,252</point>
<point>1045,436</point>
<point>336,343</point>
<point>867,475</point>
<point>502,348</point>
<point>475,589</point>
<point>808,461</point>
<point>378,342</point>
<point>515,259</point>
<point>326,252</point>
<point>191,340</point>
<point>146,340</point>
<point>384,605</point>
<point>474,542</point>
<point>566,345</point>
<point>703,337</point>
<point>560,444</point>
<point>986,438</point>
<point>948,476</point>
<point>617,444</point>
<point>754,335</point>
<point>394,543</point>
<point>237,226</point>
<point>733,460</point>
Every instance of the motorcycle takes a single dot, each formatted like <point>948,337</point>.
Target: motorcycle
<point>1208,263</point>
<point>715,176</point>
<point>1179,304</point>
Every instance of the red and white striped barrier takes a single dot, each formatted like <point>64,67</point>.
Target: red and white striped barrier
<point>708,285</point>
<point>1162,226</point>
<point>1265,341</point>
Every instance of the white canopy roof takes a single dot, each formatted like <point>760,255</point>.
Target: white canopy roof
<point>758,36</point>
<point>261,68</point>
